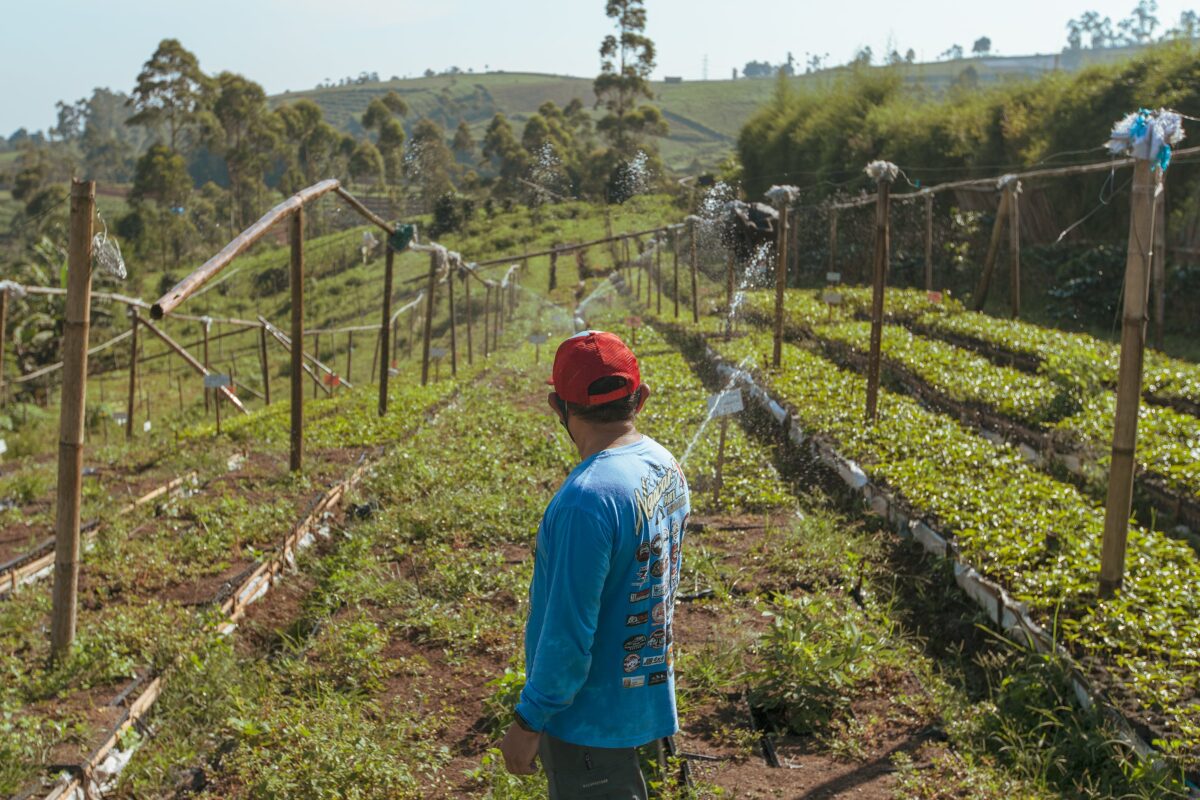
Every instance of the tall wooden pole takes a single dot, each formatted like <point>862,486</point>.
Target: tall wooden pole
<point>989,261</point>
<point>487,317</point>
<point>1014,250</point>
<point>265,363</point>
<point>433,269</point>
<point>71,417</point>
<point>553,271</point>
<point>385,334</point>
<point>498,317</point>
<point>833,225</point>
<point>729,294</point>
<point>879,283</point>
<point>453,326</point>
<point>412,318</point>
<point>296,277</point>
<point>675,263</point>
<point>929,242</point>
<point>780,283</point>
<point>1129,380</point>
<point>349,355</point>
<point>133,362</point>
<point>695,266</point>
<point>1160,270</point>
<point>470,313</point>
<point>3,336</point>
<point>206,324</point>
<point>317,356</point>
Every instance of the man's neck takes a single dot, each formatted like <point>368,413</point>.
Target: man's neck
<point>591,439</point>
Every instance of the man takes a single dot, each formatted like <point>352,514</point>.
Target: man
<point>599,678</point>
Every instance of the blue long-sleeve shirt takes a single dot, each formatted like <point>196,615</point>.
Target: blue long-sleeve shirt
<point>598,644</point>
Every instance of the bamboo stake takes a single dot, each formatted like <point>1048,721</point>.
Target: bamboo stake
<point>780,284</point>
<point>296,276</point>
<point>412,317</point>
<point>1129,380</point>
<point>453,326</point>
<point>191,361</point>
<point>695,290</point>
<point>71,418</point>
<point>1159,269</point>
<point>385,335</point>
<point>882,254</point>
<point>658,269</point>
<point>265,363</point>
<point>317,356</point>
<point>133,364</point>
<point>350,355</point>
<point>1014,248</point>
<point>553,271</point>
<point>433,268</point>
<point>928,243</point>
<point>729,295</point>
<point>487,317</point>
<point>989,261</point>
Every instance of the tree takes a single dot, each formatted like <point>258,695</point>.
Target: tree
<point>366,163</point>
<point>953,53</point>
<point>626,61</point>
<point>463,144</point>
<point>758,69</point>
<point>70,120</point>
<point>1140,26</point>
<point>381,116</point>
<point>864,57</point>
<point>169,91</point>
<point>161,185</point>
<point>428,162</point>
<point>506,156</point>
<point>910,56</point>
<point>982,46</point>
<point>246,135</point>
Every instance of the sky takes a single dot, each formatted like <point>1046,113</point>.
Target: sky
<point>54,50</point>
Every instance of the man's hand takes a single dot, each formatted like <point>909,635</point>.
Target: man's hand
<point>520,749</point>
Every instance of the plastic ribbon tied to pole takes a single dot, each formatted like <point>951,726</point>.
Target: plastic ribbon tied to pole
<point>106,254</point>
<point>782,195</point>
<point>1006,181</point>
<point>882,171</point>
<point>402,237</point>
<point>1148,136</point>
<point>14,289</point>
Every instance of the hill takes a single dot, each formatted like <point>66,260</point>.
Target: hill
<point>705,116</point>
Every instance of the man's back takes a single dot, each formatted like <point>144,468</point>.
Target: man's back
<point>598,642</point>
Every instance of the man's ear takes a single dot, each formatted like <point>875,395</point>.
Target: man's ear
<point>644,395</point>
<point>554,401</point>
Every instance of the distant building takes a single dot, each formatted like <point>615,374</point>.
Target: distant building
<point>673,79</point>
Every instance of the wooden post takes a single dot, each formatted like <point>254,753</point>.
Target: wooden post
<point>675,262</point>
<point>1159,269</point>
<point>412,319</point>
<point>833,223</point>
<point>453,326</point>
<point>349,355</point>
<point>3,336</point>
<point>487,317</point>
<point>71,417</point>
<point>385,333</point>
<point>729,295</point>
<point>433,269</point>
<point>498,317</point>
<point>718,484</point>
<point>470,313</point>
<point>296,276</point>
<point>317,356</point>
<point>1129,380</point>
<point>989,261</point>
<point>780,284</point>
<point>553,270</point>
<point>928,242</point>
<point>1014,248</point>
<point>133,362</point>
<point>695,266</point>
<point>206,324</point>
<point>882,254</point>
<point>179,382</point>
<point>658,269</point>
<point>265,363</point>
<point>638,290</point>
<point>217,404</point>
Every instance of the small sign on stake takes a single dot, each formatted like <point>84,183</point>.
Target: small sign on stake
<point>831,298</point>
<point>833,277</point>
<point>725,403</point>
<point>438,352</point>
<point>538,338</point>
<point>146,426</point>
<point>215,380</point>
<point>634,322</point>
<point>935,297</point>
<point>120,417</point>
<point>333,380</point>
<point>3,447</point>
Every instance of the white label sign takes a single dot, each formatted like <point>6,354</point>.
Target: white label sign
<point>438,352</point>
<point>538,338</point>
<point>216,381</point>
<point>146,426</point>
<point>3,447</point>
<point>833,277</point>
<point>832,298</point>
<point>725,403</point>
<point>120,417</point>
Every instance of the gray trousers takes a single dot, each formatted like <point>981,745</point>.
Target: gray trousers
<point>595,773</point>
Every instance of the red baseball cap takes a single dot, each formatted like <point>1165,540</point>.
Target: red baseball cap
<point>585,358</point>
